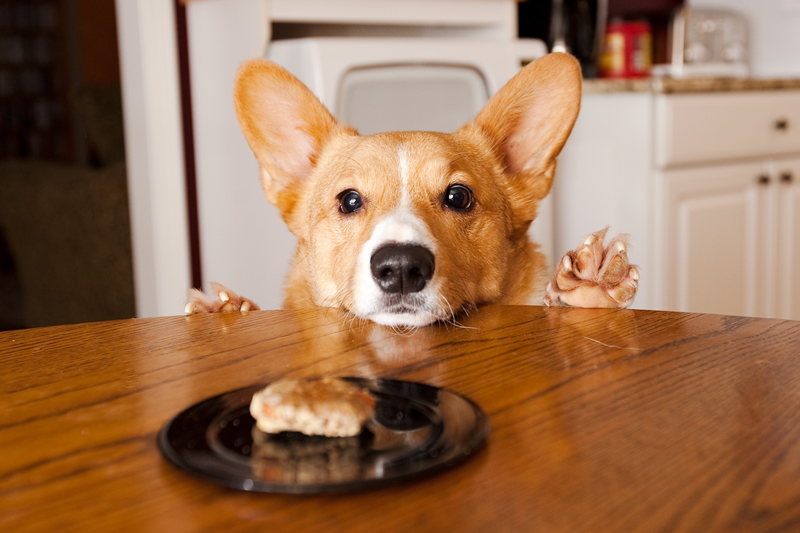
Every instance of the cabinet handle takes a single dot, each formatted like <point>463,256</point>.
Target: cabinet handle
<point>787,177</point>
<point>782,124</point>
<point>763,179</point>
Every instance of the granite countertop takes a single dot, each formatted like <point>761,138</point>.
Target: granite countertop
<point>664,85</point>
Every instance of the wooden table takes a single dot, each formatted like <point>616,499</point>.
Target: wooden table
<point>601,421</point>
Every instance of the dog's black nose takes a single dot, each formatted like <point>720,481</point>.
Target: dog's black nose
<point>402,268</point>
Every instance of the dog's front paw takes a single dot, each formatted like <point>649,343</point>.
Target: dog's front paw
<point>226,301</point>
<point>594,275</point>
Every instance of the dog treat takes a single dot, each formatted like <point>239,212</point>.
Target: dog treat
<point>331,407</point>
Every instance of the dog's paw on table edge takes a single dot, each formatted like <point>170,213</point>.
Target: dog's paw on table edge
<point>595,275</point>
<point>227,301</point>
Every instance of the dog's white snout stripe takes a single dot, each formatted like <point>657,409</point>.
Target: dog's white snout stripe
<point>401,226</point>
<point>398,231</point>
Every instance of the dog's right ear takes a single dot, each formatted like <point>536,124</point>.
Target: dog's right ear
<point>528,121</point>
<point>285,125</point>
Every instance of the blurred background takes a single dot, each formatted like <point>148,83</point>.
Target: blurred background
<point>70,69</point>
<point>64,226</point>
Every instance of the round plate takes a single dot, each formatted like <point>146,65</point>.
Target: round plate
<point>416,429</point>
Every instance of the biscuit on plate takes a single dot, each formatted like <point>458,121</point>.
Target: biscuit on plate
<point>331,407</point>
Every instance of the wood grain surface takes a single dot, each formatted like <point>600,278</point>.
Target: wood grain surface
<point>601,421</point>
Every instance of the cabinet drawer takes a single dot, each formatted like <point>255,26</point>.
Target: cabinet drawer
<point>696,128</point>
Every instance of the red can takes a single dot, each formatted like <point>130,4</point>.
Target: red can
<point>627,50</point>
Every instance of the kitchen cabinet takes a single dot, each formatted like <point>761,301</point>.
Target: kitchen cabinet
<point>788,243</point>
<point>710,239</point>
<point>728,238</point>
<point>708,186</point>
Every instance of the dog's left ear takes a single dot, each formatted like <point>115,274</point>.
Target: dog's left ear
<point>528,122</point>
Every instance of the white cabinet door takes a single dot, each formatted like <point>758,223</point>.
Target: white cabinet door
<point>786,174</point>
<point>710,239</point>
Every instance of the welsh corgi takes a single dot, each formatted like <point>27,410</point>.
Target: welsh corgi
<point>410,228</point>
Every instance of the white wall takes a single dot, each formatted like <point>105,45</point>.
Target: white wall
<point>607,175</point>
<point>154,155</point>
<point>243,242</point>
<point>774,34</point>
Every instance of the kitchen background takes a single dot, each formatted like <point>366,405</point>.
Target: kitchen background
<point>70,69</point>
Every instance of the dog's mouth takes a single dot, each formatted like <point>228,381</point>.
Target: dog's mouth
<point>405,303</point>
<point>404,311</point>
<point>401,309</point>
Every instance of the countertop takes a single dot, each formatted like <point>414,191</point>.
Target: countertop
<point>665,85</point>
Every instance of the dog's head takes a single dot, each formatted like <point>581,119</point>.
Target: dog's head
<point>408,228</point>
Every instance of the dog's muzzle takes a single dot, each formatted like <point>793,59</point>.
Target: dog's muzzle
<point>402,268</point>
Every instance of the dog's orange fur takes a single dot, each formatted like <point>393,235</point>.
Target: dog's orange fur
<point>506,156</point>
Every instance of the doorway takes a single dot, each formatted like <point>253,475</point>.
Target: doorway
<point>65,250</point>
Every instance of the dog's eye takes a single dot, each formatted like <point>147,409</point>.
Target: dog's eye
<point>349,201</point>
<point>459,197</point>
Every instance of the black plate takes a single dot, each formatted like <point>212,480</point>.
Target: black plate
<point>416,429</point>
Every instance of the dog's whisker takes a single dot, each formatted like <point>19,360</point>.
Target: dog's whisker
<point>451,318</point>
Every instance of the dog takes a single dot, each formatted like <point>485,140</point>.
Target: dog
<point>411,228</point>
